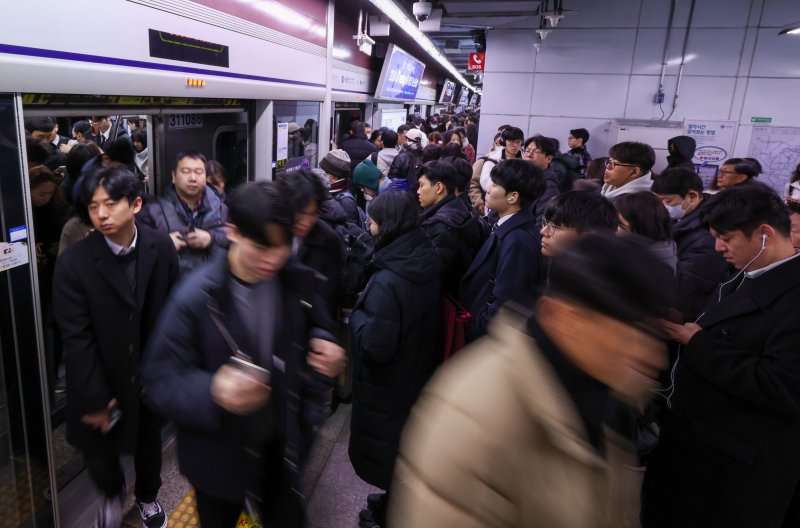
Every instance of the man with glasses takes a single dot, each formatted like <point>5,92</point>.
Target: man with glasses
<point>576,141</point>
<point>102,128</point>
<point>572,215</point>
<point>540,150</point>
<point>628,169</point>
<point>511,139</point>
<point>193,215</point>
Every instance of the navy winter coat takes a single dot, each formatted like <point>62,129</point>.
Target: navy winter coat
<point>188,348</point>
<point>167,214</point>
<point>519,275</point>
<point>395,337</point>
<point>700,269</point>
<point>358,148</point>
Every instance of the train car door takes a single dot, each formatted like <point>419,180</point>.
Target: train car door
<point>26,473</point>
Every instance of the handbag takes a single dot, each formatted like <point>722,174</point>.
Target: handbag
<point>455,325</point>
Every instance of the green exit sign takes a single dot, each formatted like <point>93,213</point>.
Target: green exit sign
<point>761,120</point>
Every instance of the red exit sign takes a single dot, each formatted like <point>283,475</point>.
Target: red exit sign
<point>476,61</point>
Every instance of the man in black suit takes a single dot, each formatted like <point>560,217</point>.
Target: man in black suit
<point>109,289</point>
<point>508,267</point>
<point>728,451</point>
<point>45,130</point>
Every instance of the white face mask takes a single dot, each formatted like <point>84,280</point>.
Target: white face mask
<point>367,197</point>
<point>676,212</point>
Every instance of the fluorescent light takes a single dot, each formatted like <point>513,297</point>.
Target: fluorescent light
<point>790,29</point>
<point>341,53</point>
<point>399,17</point>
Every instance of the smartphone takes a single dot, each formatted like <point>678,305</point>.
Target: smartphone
<point>251,369</point>
<point>114,416</point>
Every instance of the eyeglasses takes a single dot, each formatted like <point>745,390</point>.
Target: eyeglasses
<point>531,152</point>
<point>724,172</point>
<point>549,228</point>
<point>613,164</point>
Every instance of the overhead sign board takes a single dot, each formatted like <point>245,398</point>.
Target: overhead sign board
<point>477,61</point>
<point>400,77</point>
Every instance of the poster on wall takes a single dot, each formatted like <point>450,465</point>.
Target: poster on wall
<point>282,142</point>
<point>714,140</point>
<point>778,151</point>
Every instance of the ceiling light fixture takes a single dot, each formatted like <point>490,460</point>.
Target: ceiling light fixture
<point>398,16</point>
<point>790,29</point>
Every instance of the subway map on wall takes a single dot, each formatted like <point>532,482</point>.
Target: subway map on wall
<point>778,150</point>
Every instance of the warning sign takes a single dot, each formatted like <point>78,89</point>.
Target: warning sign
<point>12,255</point>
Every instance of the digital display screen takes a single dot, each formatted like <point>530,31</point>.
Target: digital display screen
<point>186,49</point>
<point>464,97</point>
<point>400,77</point>
<point>474,100</point>
<point>448,92</point>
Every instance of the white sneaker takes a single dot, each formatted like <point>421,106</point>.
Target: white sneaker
<point>153,515</point>
<point>110,514</point>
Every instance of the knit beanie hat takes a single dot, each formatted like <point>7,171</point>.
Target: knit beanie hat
<point>337,163</point>
<point>367,175</point>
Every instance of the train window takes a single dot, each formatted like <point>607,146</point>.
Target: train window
<point>300,121</point>
<point>230,149</point>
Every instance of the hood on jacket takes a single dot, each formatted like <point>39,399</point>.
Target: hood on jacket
<point>411,255</point>
<point>455,214</point>
<point>642,183</point>
<point>684,147</point>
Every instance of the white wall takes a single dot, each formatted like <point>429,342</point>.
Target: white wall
<point>604,63</point>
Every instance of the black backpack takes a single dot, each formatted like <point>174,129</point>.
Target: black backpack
<point>358,248</point>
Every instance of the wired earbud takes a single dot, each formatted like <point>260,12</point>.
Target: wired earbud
<point>764,240</point>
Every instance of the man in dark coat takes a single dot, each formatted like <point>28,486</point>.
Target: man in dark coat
<point>728,453</point>
<point>700,268</point>
<point>508,267</point>
<point>230,366</point>
<point>681,151</point>
<point>455,232</point>
<point>190,212</point>
<point>109,288</point>
<point>357,145</point>
<point>315,243</point>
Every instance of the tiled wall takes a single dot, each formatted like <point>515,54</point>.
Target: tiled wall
<point>604,63</point>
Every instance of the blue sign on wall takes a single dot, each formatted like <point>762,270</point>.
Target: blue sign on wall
<point>400,77</point>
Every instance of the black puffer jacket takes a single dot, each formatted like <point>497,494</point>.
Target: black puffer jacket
<point>700,268</point>
<point>456,234</point>
<point>323,251</point>
<point>358,148</point>
<point>394,331</point>
<point>682,153</point>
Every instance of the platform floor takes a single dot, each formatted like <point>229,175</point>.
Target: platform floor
<point>334,493</point>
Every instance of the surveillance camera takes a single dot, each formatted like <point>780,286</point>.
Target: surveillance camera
<point>422,10</point>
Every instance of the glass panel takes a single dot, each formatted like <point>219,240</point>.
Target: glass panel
<point>25,497</point>
<point>303,135</point>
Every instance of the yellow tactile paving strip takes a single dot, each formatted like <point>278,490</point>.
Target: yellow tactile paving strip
<point>185,515</point>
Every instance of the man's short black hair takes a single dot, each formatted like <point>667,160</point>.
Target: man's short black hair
<point>744,208</point>
<point>83,127</point>
<point>37,153</point>
<point>633,153</point>
<point>546,145</point>
<point>677,180</point>
<point>403,128</point>
<point>582,211</point>
<point>121,151</point>
<point>194,154</point>
<point>463,171</point>
<point>745,166</point>
<point>646,215</point>
<point>255,205</point>
<point>77,158</point>
<point>301,187</point>
<point>431,152</point>
<point>441,171</point>
<point>117,180</point>
<point>616,276</point>
<point>357,128</point>
<point>396,213</point>
<point>389,138</point>
<point>376,134</point>
<point>512,134</point>
<point>451,150</point>
<point>794,207</point>
<point>580,133</point>
<point>518,175</point>
<point>40,124</point>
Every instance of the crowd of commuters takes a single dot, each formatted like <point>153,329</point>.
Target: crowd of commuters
<point>581,286</point>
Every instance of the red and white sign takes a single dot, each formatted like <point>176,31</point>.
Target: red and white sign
<point>476,61</point>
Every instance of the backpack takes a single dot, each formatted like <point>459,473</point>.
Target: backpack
<point>358,248</point>
<point>362,216</point>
